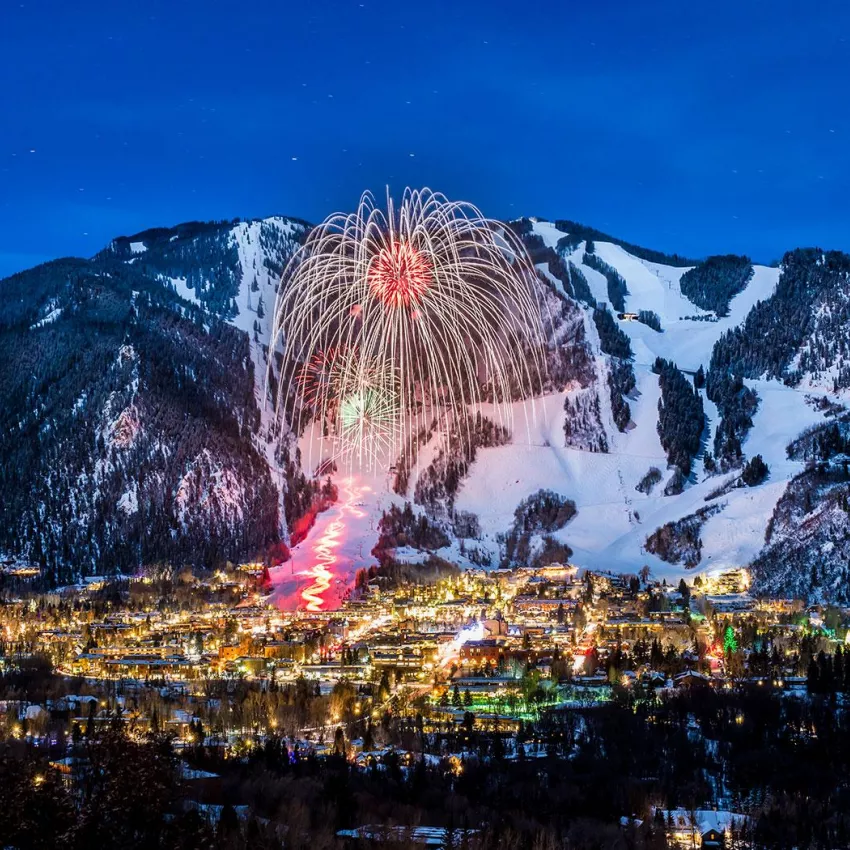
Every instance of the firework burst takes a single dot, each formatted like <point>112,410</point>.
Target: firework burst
<point>393,315</point>
<point>368,420</point>
<point>320,377</point>
<point>399,275</point>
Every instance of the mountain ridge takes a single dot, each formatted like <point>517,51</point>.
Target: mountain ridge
<point>603,435</point>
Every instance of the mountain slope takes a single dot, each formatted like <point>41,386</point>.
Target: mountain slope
<point>135,425</point>
<point>614,518</point>
<point>126,426</point>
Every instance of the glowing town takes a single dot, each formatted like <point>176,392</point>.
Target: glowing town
<point>511,664</point>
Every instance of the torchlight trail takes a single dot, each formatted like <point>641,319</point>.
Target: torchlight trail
<point>385,317</point>
<point>322,571</point>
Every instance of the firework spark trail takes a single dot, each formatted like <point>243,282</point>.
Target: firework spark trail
<point>427,306</point>
<point>318,377</point>
<point>368,420</point>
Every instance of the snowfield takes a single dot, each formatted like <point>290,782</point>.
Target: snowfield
<point>181,287</point>
<point>613,518</point>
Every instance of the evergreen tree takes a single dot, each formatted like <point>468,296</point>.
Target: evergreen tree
<point>699,378</point>
<point>755,471</point>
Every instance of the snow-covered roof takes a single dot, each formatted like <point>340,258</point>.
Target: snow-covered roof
<point>431,836</point>
<point>704,819</point>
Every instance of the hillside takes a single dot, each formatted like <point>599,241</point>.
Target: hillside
<point>617,511</point>
<point>132,428</point>
<point>135,426</point>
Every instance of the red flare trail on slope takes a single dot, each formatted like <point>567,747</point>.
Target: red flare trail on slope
<point>315,589</point>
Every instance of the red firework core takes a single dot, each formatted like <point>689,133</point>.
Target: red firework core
<point>399,275</point>
<point>315,377</point>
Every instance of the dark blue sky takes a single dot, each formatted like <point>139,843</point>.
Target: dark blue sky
<point>699,127</point>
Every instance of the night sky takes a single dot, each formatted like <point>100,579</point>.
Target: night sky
<point>698,127</point>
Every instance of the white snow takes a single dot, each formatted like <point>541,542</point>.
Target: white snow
<point>129,502</point>
<point>181,287</point>
<point>125,428</point>
<point>613,519</point>
<point>548,233</point>
<point>602,485</point>
<point>51,317</point>
<point>247,236</point>
<point>686,341</point>
<point>138,247</point>
<point>209,488</point>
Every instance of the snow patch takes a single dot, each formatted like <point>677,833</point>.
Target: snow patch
<point>125,428</point>
<point>51,317</point>
<point>209,489</point>
<point>128,504</point>
<point>182,288</point>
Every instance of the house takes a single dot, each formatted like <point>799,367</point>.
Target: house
<point>706,828</point>
<point>489,649</point>
<point>692,679</point>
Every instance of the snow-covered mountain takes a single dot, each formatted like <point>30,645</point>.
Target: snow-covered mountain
<point>614,516</point>
<point>133,428</point>
<point>762,352</point>
<point>633,506</point>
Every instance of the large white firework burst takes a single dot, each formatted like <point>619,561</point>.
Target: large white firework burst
<point>423,308</point>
